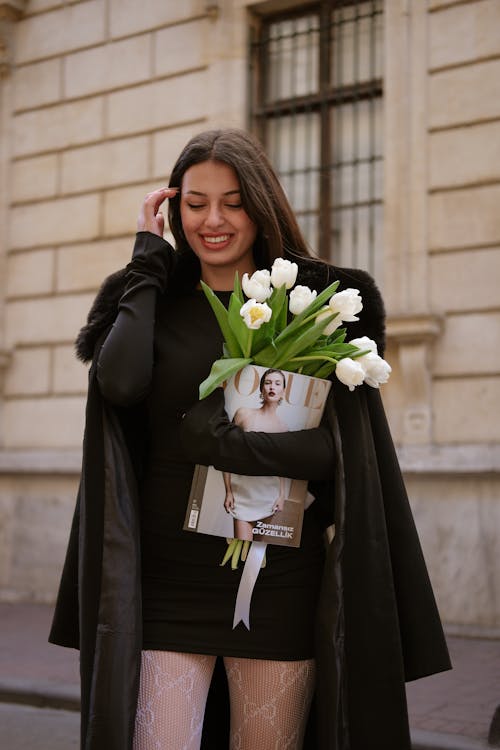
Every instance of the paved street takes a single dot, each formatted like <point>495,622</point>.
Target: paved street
<point>462,701</point>
<point>27,728</point>
<point>448,711</point>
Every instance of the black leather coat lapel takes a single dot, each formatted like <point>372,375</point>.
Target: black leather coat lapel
<point>373,650</point>
<point>331,696</point>
<point>423,646</point>
<point>115,679</point>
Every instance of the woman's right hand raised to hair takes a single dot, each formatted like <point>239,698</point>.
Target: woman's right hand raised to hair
<point>150,218</point>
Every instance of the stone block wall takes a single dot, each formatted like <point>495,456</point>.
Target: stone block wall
<point>442,262</point>
<point>104,93</point>
<point>464,217</point>
<point>97,99</point>
<point>460,515</point>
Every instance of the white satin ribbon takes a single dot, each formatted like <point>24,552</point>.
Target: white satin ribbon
<point>247,582</point>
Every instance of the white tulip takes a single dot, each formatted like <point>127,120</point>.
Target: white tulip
<point>255,313</point>
<point>350,372</point>
<point>283,272</point>
<point>377,370</point>
<point>347,304</point>
<point>332,325</point>
<point>300,298</point>
<point>363,343</point>
<point>258,285</point>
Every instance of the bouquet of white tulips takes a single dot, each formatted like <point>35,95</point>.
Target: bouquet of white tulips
<point>313,343</point>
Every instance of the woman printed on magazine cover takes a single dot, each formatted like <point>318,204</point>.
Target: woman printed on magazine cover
<point>147,603</point>
<point>251,499</point>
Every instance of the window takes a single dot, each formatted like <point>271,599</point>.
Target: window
<point>317,106</point>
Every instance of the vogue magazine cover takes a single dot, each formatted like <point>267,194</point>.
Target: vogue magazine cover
<point>267,509</point>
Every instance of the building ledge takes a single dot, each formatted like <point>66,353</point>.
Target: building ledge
<point>474,458</point>
<point>12,9</point>
<point>10,12</point>
<point>40,462</point>
<point>412,328</point>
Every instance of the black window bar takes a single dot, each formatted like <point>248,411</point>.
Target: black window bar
<point>316,104</point>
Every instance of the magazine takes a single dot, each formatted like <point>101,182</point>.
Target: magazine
<point>267,509</point>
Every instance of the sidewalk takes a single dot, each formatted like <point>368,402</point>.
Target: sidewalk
<point>454,709</point>
<point>448,711</point>
<point>32,670</point>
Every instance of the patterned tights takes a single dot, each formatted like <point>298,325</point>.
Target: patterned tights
<point>270,701</point>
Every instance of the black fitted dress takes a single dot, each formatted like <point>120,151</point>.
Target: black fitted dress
<point>188,598</point>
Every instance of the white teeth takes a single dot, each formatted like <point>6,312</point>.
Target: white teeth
<point>215,240</point>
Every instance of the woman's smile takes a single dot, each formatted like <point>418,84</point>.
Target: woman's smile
<point>215,224</point>
<point>218,241</point>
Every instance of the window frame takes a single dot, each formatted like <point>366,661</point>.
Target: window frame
<point>322,102</point>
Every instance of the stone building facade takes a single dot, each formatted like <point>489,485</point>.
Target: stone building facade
<point>96,99</point>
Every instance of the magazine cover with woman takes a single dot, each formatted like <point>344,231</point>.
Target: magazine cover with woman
<point>267,509</point>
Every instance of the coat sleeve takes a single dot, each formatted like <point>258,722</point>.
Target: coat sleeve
<point>210,439</point>
<point>125,361</point>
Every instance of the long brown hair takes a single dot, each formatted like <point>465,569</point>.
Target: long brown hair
<point>263,198</point>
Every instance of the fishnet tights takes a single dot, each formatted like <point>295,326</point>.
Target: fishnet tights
<point>172,696</point>
<point>270,701</point>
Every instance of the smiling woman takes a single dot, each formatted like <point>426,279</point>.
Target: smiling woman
<point>215,224</point>
<point>147,603</point>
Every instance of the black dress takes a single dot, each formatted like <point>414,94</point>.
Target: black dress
<point>188,598</point>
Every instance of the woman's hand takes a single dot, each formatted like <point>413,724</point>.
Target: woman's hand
<point>150,218</point>
<point>279,504</point>
<point>229,501</point>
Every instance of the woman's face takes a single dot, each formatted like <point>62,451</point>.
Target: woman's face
<point>273,387</point>
<point>215,223</point>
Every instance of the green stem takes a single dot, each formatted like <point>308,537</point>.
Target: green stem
<point>310,317</point>
<point>293,327</point>
<point>236,553</point>
<point>244,551</point>
<point>323,357</point>
<point>229,551</point>
<point>361,353</point>
<point>248,348</point>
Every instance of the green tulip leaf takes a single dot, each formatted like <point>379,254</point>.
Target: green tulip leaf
<point>313,308</point>
<point>237,288</point>
<point>301,343</point>
<point>222,369</point>
<point>238,325</point>
<point>324,371</point>
<point>221,314</point>
<point>278,304</point>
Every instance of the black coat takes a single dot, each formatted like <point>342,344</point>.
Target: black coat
<point>377,623</point>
